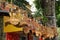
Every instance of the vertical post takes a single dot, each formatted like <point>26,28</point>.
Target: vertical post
<point>1,28</point>
<point>53,11</point>
<point>49,12</point>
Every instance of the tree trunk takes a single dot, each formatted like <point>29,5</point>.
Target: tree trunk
<point>49,12</point>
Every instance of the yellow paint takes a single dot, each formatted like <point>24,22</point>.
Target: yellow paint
<point>12,28</point>
<point>9,27</point>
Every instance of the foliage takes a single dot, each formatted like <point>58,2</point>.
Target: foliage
<point>58,12</point>
<point>20,3</point>
<point>44,20</point>
<point>58,20</point>
<point>39,12</point>
<point>37,4</point>
<point>57,7</point>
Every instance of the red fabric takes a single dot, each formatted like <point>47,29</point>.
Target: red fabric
<point>30,37</point>
<point>40,38</point>
<point>12,36</point>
